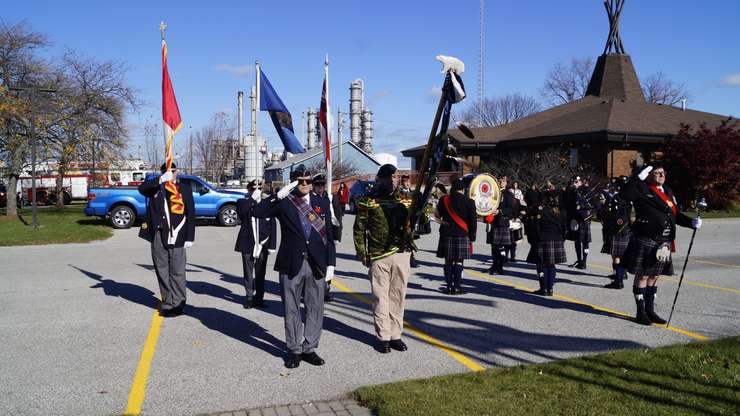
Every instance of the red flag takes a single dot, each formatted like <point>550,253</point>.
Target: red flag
<point>172,123</point>
<point>325,124</point>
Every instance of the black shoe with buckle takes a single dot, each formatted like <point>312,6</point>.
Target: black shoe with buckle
<point>312,358</point>
<point>292,360</point>
<point>398,345</point>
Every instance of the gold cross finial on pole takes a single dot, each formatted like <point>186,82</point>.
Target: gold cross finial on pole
<point>162,27</point>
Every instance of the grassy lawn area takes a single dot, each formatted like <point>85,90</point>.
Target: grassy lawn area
<point>67,225</point>
<point>694,379</point>
<point>730,213</point>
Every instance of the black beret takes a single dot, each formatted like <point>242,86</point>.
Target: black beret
<point>164,167</point>
<point>458,185</point>
<point>299,171</point>
<point>252,184</point>
<point>386,171</point>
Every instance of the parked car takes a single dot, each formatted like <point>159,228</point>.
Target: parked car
<point>357,191</point>
<point>123,205</point>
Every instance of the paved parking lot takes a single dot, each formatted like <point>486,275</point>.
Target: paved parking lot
<point>81,334</point>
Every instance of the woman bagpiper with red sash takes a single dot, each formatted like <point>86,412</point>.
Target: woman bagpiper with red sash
<point>457,232</point>
<point>649,253</point>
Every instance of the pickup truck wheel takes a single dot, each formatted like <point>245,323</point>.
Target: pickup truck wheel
<point>227,216</point>
<point>122,217</point>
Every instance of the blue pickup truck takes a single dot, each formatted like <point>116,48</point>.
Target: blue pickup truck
<point>122,205</point>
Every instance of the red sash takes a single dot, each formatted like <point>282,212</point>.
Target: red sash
<point>459,221</point>
<point>671,204</point>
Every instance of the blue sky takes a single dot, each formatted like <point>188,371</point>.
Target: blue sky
<point>391,45</point>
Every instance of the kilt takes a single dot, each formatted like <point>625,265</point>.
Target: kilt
<point>499,235</point>
<point>616,244</point>
<point>640,258</point>
<point>454,248</point>
<point>547,253</point>
<point>583,234</point>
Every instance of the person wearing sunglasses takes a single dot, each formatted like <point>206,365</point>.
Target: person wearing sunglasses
<point>306,258</point>
<point>648,255</point>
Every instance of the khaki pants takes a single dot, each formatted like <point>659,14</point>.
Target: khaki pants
<point>388,279</point>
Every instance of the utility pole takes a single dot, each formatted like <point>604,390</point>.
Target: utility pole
<point>33,95</point>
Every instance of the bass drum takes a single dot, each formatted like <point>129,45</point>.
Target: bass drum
<point>484,191</point>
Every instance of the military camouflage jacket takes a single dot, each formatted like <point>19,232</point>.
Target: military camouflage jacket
<point>379,225</point>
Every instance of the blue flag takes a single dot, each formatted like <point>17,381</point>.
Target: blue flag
<point>281,118</point>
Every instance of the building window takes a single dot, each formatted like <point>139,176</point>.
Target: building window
<point>573,162</point>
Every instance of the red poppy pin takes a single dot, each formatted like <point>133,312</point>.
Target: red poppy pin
<point>317,209</point>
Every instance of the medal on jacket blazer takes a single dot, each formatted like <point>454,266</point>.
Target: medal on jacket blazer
<point>311,217</point>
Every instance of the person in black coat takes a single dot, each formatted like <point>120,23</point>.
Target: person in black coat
<point>169,226</point>
<point>548,249</point>
<point>255,240</point>
<point>306,257</point>
<point>319,189</point>
<point>649,253</point>
<point>457,214</point>
<point>615,213</point>
<point>499,232</point>
<point>580,212</point>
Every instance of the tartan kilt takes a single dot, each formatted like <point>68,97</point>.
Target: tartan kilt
<point>616,244</point>
<point>499,236</point>
<point>640,258</point>
<point>547,252</point>
<point>454,248</point>
<point>583,234</point>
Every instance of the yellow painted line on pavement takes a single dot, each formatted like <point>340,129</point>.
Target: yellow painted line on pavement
<point>457,355</point>
<point>138,387</point>
<point>688,282</point>
<point>580,302</point>
<point>714,263</point>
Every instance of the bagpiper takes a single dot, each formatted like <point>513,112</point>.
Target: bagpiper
<point>549,249</point>
<point>459,220</point>
<point>615,219</point>
<point>649,253</point>
<point>580,212</point>
<point>499,233</point>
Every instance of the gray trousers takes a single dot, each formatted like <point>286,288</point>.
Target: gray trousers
<point>301,338</point>
<point>169,264</point>
<point>254,274</point>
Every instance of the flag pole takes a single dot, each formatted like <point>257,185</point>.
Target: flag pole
<point>255,113</point>
<point>329,177</point>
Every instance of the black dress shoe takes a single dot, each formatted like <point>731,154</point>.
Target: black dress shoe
<point>383,347</point>
<point>541,292</point>
<point>460,291</point>
<point>292,360</point>
<point>549,293</point>
<point>446,290</point>
<point>248,304</point>
<point>312,358</point>
<point>259,303</point>
<point>398,345</point>
<point>615,284</point>
<point>581,265</point>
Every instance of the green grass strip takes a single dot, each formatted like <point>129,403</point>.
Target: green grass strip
<point>696,379</point>
<point>56,226</point>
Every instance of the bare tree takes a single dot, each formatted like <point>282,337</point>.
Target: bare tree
<point>153,143</point>
<point>339,171</point>
<point>658,89</point>
<point>567,83</point>
<point>19,67</point>
<point>501,110</point>
<point>536,167</point>
<point>213,146</point>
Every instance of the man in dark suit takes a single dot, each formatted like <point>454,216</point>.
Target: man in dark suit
<point>306,257</point>
<point>170,228</point>
<point>256,237</point>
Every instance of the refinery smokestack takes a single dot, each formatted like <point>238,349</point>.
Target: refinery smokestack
<point>313,134</point>
<point>356,105</point>
<point>366,141</point>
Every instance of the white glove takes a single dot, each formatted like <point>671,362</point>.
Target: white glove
<point>696,223</point>
<point>257,195</point>
<point>188,244</point>
<point>270,251</point>
<point>286,190</point>
<point>644,173</point>
<point>329,273</point>
<point>166,177</point>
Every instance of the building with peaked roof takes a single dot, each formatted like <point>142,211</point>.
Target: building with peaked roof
<point>352,154</point>
<point>611,128</point>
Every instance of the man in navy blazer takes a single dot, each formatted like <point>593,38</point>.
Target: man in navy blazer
<point>254,256</point>
<point>306,257</point>
<point>170,233</point>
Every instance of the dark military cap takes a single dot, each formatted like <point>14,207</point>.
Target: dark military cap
<point>252,184</point>
<point>386,171</point>
<point>163,168</point>
<point>299,171</point>
<point>319,179</point>
<point>458,185</point>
